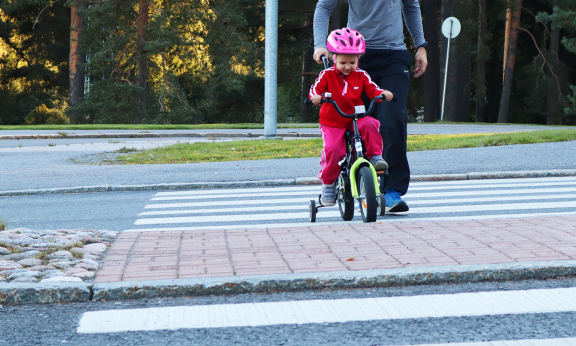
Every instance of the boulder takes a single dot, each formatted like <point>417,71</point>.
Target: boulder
<point>62,279</point>
<point>26,279</point>
<point>41,268</point>
<point>75,270</point>
<point>4,251</point>
<point>30,262</point>
<point>87,266</point>
<point>27,273</point>
<point>22,255</point>
<point>84,275</point>
<point>62,254</point>
<point>9,265</point>
<point>94,249</point>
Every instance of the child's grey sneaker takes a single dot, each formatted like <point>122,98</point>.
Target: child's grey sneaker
<point>328,198</point>
<point>379,163</point>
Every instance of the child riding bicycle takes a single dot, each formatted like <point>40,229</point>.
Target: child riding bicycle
<point>346,83</point>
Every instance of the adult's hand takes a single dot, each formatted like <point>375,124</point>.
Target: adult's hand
<point>318,54</point>
<point>421,62</point>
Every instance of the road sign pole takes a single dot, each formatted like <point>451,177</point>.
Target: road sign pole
<point>270,68</point>
<point>446,70</point>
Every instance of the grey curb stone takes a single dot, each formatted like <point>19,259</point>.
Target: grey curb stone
<point>44,293</point>
<point>333,280</point>
<point>15,294</point>
<point>282,182</point>
<point>156,135</point>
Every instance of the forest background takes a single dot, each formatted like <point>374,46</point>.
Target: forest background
<point>202,61</point>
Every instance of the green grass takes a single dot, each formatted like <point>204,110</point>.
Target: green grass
<point>277,149</point>
<point>3,224</point>
<point>149,127</point>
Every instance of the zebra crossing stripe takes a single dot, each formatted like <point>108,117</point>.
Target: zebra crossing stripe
<point>330,311</point>
<point>530,342</point>
<point>234,191</point>
<point>231,202</point>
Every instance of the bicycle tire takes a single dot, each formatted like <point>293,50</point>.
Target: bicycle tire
<point>345,193</point>
<point>367,191</point>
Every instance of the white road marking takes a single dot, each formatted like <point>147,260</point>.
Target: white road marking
<point>251,195</point>
<point>490,199</point>
<point>490,186</point>
<point>491,181</point>
<point>225,210</point>
<point>488,193</point>
<point>234,191</point>
<point>230,202</point>
<point>233,218</point>
<point>330,311</point>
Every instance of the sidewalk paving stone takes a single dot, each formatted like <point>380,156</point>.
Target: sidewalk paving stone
<point>222,253</point>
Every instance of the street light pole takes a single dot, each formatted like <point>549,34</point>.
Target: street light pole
<point>270,68</point>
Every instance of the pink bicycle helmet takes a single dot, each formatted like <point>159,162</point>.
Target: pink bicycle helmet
<point>346,41</point>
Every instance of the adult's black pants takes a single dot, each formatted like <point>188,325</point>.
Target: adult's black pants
<point>390,69</point>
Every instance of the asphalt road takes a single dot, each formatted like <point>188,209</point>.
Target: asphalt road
<point>52,169</point>
<point>56,324</point>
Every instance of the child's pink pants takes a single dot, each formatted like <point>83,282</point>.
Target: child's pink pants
<point>335,146</point>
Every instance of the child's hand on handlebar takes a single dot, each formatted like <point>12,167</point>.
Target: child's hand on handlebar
<point>387,95</point>
<point>316,99</point>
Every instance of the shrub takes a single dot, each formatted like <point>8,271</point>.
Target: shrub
<point>44,115</point>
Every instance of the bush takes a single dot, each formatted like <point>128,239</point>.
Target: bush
<point>44,115</point>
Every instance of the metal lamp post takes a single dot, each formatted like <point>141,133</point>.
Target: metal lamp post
<point>270,68</point>
<point>450,28</point>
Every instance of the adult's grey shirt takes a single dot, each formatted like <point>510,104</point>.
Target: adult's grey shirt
<point>379,21</point>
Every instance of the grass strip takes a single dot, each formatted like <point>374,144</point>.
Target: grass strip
<point>150,127</point>
<point>297,148</point>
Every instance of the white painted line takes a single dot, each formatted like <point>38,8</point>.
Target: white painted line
<point>252,226</point>
<point>490,186</point>
<point>330,311</point>
<point>230,202</point>
<point>488,192</point>
<point>251,195</point>
<point>386,219</point>
<point>238,190</point>
<point>530,342</point>
<point>227,210</point>
<point>234,218</point>
<point>491,199</point>
<point>492,207</point>
<point>411,218</point>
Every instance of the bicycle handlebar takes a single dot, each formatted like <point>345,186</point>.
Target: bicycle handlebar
<point>309,102</point>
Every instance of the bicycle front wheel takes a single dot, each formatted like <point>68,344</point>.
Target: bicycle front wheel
<point>367,195</point>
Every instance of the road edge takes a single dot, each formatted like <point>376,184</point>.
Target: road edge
<point>282,182</point>
<point>19,294</point>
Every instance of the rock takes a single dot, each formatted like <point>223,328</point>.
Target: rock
<point>63,264</point>
<point>26,273</point>
<point>30,262</point>
<point>54,274</point>
<point>75,270</point>
<point>26,279</point>
<point>9,265</point>
<point>2,279</point>
<point>109,234</point>
<point>41,268</point>
<point>62,254</point>
<point>87,266</point>
<point>84,275</point>
<point>62,279</point>
<point>90,240</point>
<point>94,249</point>
<point>22,255</point>
<point>7,273</point>
<point>45,245</point>
<point>90,257</point>
<point>4,251</point>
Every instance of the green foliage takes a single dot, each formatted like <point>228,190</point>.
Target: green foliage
<point>44,115</point>
<point>34,45</point>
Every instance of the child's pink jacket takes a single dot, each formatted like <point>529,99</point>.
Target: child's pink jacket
<point>346,91</point>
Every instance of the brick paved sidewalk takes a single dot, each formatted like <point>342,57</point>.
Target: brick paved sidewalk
<point>139,256</point>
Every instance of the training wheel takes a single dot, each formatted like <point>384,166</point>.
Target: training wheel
<point>312,210</point>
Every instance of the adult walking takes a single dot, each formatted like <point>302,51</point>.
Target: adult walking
<point>387,61</point>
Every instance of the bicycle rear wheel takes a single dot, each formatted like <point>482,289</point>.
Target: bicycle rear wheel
<point>367,195</point>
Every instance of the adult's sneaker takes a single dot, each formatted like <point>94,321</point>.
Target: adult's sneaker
<point>394,204</point>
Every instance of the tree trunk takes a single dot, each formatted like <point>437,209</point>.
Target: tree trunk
<point>553,104</point>
<point>509,67</point>
<point>307,61</point>
<point>480,63</point>
<point>432,75</point>
<point>142,59</point>
<point>76,59</point>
